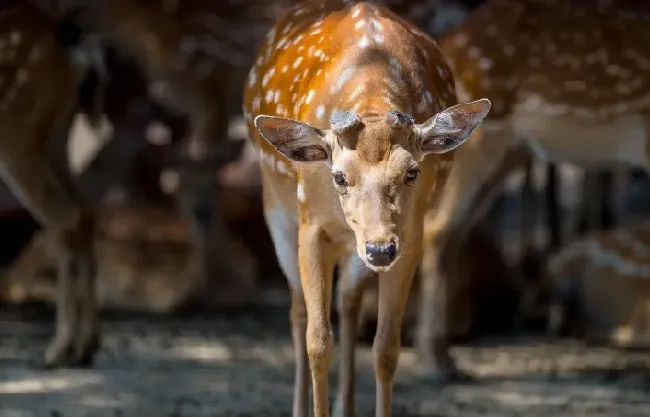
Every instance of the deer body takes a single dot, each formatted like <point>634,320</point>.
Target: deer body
<point>569,84</point>
<point>345,173</point>
<point>38,99</point>
<point>601,283</point>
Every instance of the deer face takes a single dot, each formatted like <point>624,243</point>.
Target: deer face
<point>375,161</point>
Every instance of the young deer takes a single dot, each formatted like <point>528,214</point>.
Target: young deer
<point>601,284</point>
<point>39,80</point>
<point>569,84</point>
<point>347,173</point>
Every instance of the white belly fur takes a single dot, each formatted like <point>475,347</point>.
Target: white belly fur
<point>616,142</point>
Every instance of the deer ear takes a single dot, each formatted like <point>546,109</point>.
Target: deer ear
<point>451,127</point>
<point>296,140</point>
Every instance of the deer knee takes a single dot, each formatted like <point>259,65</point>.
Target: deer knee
<point>385,351</point>
<point>319,344</point>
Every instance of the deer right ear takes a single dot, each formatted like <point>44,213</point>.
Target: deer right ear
<point>296,140</point>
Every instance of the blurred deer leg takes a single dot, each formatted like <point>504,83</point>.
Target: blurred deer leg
<point>433,339</point>
<point>46,196</point>
<point>394,288</point>
<point>350,291</point>
<point>553,208</point>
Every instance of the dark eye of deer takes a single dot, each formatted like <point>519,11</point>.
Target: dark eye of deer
<point>412,174</point>
<point>339,179</point>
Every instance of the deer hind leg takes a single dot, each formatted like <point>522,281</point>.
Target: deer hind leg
<point>41,191</point>
<point>353,277</point>
<point>433,339</point>
<point>35,166</point>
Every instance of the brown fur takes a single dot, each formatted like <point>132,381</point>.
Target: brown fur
<point>358,62</point>
<point>588,107</point>
<point>38,82</point>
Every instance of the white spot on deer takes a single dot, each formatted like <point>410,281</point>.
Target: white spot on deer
<point>356,12</point>
<point>300,192</point>
<point>281,166</point>
<point>269,96</point>
<point>297,62</point>
<point>287,28</point>
<point>269,74</point>
<point>320,111</point>
<point>343,79</point>
<point>485,64</point>
<point>363,42</point>
<point>310,96</point>
<point>252,78</point>
<point>474,52</point>
<point>276,97</point>
<point>360,24</point>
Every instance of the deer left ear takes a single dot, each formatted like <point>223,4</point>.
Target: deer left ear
<point>451,127</point>
<point>296,140</point>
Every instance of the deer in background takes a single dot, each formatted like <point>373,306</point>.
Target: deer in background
<point>348,175</point>
<point>43,64</point>
<point>599,286</point>
<point>567,83</point>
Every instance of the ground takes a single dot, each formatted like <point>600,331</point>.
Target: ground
<point>241,365</point>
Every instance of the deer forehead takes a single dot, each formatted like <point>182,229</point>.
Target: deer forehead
<point>377,138</point>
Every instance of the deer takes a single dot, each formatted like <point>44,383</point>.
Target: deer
<point>354,112</point>
<point>567,84</point>
<point>43,64</point>
<point>597,286</point>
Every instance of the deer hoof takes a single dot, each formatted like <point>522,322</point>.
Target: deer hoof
<point>64,353</point>
<point>59,354</point>
<point>86,349</point>
<point>447,374</point>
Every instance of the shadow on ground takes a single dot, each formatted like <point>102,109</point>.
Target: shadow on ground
<point>240,364</point>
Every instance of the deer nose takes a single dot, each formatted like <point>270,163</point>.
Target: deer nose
<point>381,253</point>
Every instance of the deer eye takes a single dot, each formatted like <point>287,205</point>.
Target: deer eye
<point>412,174</point>
<point>339,179</point>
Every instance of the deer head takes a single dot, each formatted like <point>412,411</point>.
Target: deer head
<point>374,162</point>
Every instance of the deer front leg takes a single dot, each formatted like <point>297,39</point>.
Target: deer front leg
<point>353,275</point>
<point>433,333</point>
<point>394,287</point>
<point>317,260</point>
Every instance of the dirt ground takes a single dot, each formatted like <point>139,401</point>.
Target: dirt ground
<point>241,365</point>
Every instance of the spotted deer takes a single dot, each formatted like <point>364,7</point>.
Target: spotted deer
<point>598,286</point>
<point>42,65</point>
<point>567,83</point>
<point>333,104</point>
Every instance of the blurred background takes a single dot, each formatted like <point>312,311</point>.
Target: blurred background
<point>145,256</point>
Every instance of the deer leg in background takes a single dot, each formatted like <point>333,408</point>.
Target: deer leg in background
<point>529,251</point>
<point>553,209</point>
<point>595,213</point>
<point>606,188</point>
<point>353,276</point>
<point>52,200</point>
